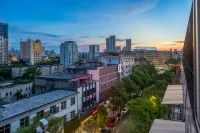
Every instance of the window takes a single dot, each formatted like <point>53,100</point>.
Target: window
<point>73,101</point>
<point>72,114</point>
<point>20,90</point>
<point>53,109</point>
<point>10,93</point>
<point>29,88</point>
<point>26,88</point>
<point>6,93</point>
<point>64,118</point>
<point>63,105</point>
<point>24,121</point>
<point>40,114</point>
<point>5,129</point>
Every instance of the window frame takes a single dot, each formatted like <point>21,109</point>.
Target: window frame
<point>72,114</point>
<point>72,101</point>
<point>63,105</point>
<point>40,114</point>
<point>52,109</point>
<point>24,122</point>
<point>5,128</point>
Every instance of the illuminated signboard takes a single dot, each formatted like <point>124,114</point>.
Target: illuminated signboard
<point>119,68</point>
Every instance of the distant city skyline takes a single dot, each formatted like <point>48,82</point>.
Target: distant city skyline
<point>157,23</point>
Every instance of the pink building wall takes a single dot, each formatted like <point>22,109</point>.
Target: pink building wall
<point>106,77</point>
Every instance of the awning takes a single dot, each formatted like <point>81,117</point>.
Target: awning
<point>173,95</point>
<point>167,126</point>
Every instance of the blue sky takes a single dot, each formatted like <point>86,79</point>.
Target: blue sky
<point>160,23</point>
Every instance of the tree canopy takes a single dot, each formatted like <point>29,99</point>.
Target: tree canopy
<point>5,73</point>
<point>145,109</point>
<point>102,115</point>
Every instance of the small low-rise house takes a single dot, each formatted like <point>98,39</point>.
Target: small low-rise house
<point>44,69</point>
<point>8,91</point>
<point>58,103</point>
<point>81,83</point>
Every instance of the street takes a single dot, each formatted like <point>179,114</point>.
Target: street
<point>121,126</point>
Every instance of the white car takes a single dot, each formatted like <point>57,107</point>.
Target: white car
<point>124,110</point>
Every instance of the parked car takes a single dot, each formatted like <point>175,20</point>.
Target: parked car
<point>124,111</point>
<point>112,121</point>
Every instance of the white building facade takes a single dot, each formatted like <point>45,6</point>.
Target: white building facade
<point>59,103</point>
<point>8,92</point>
<point>125,61</point>
<point>68,53</point>
<point>44,69</point>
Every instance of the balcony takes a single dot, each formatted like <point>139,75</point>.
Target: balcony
<point>167,126</point>
<point>173,99</point>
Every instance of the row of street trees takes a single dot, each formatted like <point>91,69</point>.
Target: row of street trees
<point>131,85</point>
<point>145,109</point>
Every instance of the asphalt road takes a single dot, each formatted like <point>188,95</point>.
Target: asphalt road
<point>121,126</point>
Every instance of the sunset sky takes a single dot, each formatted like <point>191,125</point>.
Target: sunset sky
<point>159,23</point>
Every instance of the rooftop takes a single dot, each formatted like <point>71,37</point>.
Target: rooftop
<point>25,105</point>
<point>63,76</point>
<point>11,85</point>
<point>167,126</point>
<point>173,95</point>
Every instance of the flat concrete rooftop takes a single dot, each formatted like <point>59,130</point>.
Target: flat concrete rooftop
<point>167,126</point>
<point>67,76</point>
<point>173,95</point>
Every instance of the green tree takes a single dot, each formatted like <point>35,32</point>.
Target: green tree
<point>143,115</point>
<point>18,63</point>
<point>19,95</point>
<point>118,96</point>
<point>102,115</point>
<point>137,80</point>
<point>54,124</point>
<point>31,73</point>
<point>129,85</point>
<point>5,73</point>
<point>141,74</point>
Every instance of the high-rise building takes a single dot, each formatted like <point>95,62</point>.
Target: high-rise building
<point>128,44</point>
<point>3,44</point>
<point>31,51</point>
<point>43,50</point>
<point>118,49</point>
<point>93,51</point>
<point>14,52</point>
<point>68,53</point>
<point>107,44</point>
<point>110,43</point>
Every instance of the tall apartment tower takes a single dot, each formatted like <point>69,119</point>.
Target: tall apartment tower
<point>93,51</point>
<point>30,51</point>
<point>107,44</point>
<point>68,53</point>
<point>3,44</point>
<point>128,44</point>
<point>110,43</point>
